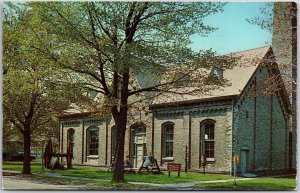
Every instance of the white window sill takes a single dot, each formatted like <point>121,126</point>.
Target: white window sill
<point>168,159</point>
<point>210,159</point>
<point>92,156</point>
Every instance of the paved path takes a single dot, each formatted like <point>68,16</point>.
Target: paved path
<point>13,183</point>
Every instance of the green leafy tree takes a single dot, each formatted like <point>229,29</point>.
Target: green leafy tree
<point>108,45</point>
<point>32,93</point>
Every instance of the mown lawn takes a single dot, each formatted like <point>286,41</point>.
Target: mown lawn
<point>184,177</point>
<point>253,184</point>
<point>100,173</point>
<point>18,166</point>
<point>93,175</point>
<point>86,184</point>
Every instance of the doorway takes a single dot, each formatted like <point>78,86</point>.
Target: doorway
<point>244,160</point>
<point>138,145</point>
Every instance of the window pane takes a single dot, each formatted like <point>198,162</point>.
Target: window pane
<point>209,149</point>
<point>209,144</point>
<point>169,149</point>
<point>168,140</point>
<point>93,141</point>
<point>209,130</point>
<point>71,135</point>
<point>169,133</point>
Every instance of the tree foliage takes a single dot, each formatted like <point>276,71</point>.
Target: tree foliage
<point>108,46</point>
<point>32,94</point>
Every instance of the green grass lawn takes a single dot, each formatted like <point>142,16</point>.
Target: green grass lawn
<point>87,184</point>
<point>95,173</point>
<point>100,173</point>
<point>18,166</point>
<point>184,177</point>
<point>253,184</point>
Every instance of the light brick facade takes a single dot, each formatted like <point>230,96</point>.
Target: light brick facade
<point>251,126</point>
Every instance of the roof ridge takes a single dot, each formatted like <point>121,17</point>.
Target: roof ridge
<point>249,50</point>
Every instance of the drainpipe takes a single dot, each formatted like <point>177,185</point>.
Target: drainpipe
<point>58,135</point>
<point>232,135</point>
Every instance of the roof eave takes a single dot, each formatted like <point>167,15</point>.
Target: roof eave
<point>192,102</point>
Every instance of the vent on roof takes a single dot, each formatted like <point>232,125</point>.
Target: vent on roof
<point>217,72</point>
<point>182,79</point>
<point>93,94</point>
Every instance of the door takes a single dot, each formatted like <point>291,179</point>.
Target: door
<point>139,155</point>
<point>138,145</point>
<point>244,161</point>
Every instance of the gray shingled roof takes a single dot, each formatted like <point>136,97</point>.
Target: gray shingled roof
<point>238,77</point>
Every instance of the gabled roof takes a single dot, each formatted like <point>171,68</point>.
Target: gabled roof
<point>237,78</point>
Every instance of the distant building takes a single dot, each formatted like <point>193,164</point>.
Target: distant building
<point>284,44</point>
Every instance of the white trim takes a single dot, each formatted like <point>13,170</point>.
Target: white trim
<point>92,156</point>
<point>168,159</point>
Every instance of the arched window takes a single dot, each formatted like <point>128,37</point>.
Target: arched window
<point>208,139</point>
<point>167,139</point>
<point>71,138</point>
<point>93,140</point>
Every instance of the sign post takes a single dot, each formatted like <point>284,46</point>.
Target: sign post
<point>234,172</point>
<point>236,160</point>
<point>174,167</point>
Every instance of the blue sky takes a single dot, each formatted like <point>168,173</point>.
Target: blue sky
<point>234,33</point>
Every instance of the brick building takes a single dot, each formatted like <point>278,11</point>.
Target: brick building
<point>239,119</point>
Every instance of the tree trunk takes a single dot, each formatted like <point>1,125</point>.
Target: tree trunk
<point>118,172</point>
<point>26,149</point>
<point>121,121</point>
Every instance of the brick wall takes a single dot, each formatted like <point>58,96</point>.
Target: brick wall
<point>190,118</point>
<point>258,129</point>
<point>260,125</point>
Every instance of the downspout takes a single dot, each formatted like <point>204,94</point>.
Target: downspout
<point>190,141</point>
<point>232,136</point>
<point>106,139</point>
<point>82,143</point>
<point>152,135</point>
<point>271,132</point>
<point>58,135</point>
<point>62,141</point>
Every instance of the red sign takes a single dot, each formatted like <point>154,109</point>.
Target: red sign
<point>174,167</point>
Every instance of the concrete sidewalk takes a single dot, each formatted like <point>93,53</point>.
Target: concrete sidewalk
<point>13,183</point>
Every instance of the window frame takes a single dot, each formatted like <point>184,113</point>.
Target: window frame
<point>93,151</point>
<point>209,141</point>
<point>70,132</point>
<point>166,152</point>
